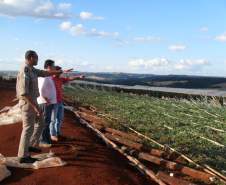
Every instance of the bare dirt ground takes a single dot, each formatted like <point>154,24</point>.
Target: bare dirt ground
<point>90,162</point>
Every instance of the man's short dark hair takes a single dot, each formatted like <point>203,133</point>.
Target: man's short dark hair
<point>58,68</point>
<point>49,63</point>
<point>29,54</point>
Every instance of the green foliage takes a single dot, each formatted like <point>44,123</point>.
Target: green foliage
<point>195,128</point>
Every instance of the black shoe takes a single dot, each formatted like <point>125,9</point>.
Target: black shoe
<point>27,160</point>
<point>34,149</point>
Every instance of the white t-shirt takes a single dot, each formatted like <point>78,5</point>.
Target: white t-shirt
<point>47,89</point>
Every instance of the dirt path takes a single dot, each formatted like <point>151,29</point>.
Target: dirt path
<point>90,162</point>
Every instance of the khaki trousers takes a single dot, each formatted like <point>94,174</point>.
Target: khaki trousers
<point>31,129</point>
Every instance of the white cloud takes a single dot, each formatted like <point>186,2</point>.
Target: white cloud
<point>11,63</point>
<point>159,64</point>
<point>221,38</point>
<point>191,64</point>
<point>147,39</point>
<point>64,6</point>
<point>149,63</point>
<point>121,42</point>
<point>79,29</point>
<point>96,33</point>
<point>78,63</point>
<point>65,25</point>
<point>47,9</point>
<point>110,68</point>
<point>34,8</point>
<point>177,47</point>
<point>204,29</point>
<point>75,30</point>
<point>44,7</point>
<point>89,16</point>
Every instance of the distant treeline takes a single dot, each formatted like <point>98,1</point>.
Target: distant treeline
<point>7,83</point>
<point>175,81</point>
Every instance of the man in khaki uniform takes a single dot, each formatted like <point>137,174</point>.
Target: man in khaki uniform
<point>27,93</point>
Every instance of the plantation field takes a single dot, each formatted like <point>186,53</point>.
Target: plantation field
<point>194,128</point>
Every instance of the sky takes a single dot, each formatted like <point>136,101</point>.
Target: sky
<point>133,36</point>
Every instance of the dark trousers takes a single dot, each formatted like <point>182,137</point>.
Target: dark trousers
<point>47,114</point>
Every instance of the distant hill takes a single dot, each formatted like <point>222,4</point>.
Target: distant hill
<point>176,81</point>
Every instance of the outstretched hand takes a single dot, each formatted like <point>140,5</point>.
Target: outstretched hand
<point>68,70</point>
<point>82,76</point>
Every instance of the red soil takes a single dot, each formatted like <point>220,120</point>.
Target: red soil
<point>7,97</point>
<point>90,162</point>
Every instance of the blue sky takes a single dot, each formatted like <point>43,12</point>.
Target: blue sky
<point>145,36</point>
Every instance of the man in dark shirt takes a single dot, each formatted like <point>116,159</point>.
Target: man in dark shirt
<point>27,93</point>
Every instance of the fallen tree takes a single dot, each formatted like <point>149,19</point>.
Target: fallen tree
<point>172,180</point>
<point>177,167</point>
<point>149,173</point>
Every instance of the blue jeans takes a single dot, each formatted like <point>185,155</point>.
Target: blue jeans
<point>47,114</point>
<point>57,119</point>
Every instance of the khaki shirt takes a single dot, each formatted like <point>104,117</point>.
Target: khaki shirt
<point>27,82</point>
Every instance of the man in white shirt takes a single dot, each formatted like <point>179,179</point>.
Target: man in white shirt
<point>47,91</point>
<point>47,101</point>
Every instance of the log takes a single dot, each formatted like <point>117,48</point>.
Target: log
<point>215,129</point>
<point>178,167</point>
<point>174,156</point>
<point>155,152</point>
<point>98,126</point>
<point>207,170</point>
<point>149,173</point>
<point>216,172</point>
<point>93,109</point>
<point>212,141</point>
<point>83,109</point>
<point>123,134</point>
<point>172,180</point>
<point>91,118</point>
<point>167,155</point>
<point>143,136</point>
<point>123,141</point>
<point>158,153</point>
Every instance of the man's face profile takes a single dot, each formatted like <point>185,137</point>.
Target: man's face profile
<point>34,60</point>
